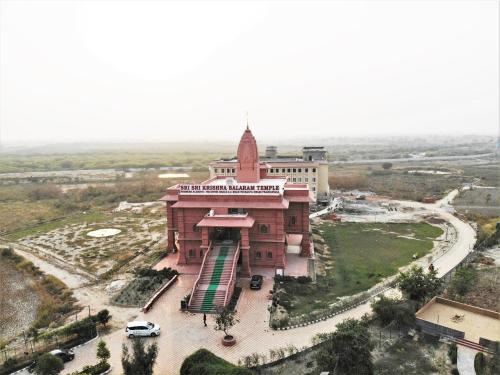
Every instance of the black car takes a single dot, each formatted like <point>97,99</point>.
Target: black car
<point>256,282</point>
<point>66,355</point>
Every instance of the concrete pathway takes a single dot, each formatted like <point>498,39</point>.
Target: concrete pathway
<point>334,204</point>
<point>465,360</point>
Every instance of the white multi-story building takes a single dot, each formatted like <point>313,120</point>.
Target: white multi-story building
<point>311,169</point>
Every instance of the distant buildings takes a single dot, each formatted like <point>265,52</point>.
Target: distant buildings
<point>311,168</point>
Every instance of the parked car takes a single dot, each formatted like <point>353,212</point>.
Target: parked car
<point>256,282</point>
<point>65,354</point>
<point>141,328</point>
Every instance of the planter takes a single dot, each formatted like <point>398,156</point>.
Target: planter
<point>228,340</point>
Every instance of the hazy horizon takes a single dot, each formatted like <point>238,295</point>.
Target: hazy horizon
<point>151,71</point>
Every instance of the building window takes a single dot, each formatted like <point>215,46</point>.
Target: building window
<point>299,179</point>
<point>270,254</point>
<point>233,170</point>
<point>314,189</point>
<point>258,255</point>
<point>310,158</point>
<point>191,253</point>
<point>306,179</point>
<point>306,170</point>
<point>215,170</point>
<point>300,170</point>
<point>201,253</point>
<point>263,228</point>
<point>293,220</point>
<point>282,170</point>
<point>288,170</point>
<point>236,211</point>
<point>314,179</point>
<point>272,170</point>
<point>294,170</point>
<point>293,179</point>
<point>314,170</point>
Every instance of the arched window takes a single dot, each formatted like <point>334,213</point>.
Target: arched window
<point>258,255</point>
<point>270,254</point>
<point>263,228</point>
<point>293,220</point>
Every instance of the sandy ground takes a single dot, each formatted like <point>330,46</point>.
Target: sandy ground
<point>18,302</point>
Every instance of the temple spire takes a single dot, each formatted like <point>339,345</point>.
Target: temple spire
<point>247,167</point>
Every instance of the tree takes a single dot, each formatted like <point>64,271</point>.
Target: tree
<point>224,320</point>
<point>48,364</point>
<point>387,165</point>
<point>347,350</point>
<point>418,285</point>
<point>395,311</point>
<point>141,361</point>
<point>103,317</point>
<point>463,280</point>
<point>103,353</point>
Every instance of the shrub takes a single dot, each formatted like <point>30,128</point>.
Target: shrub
<point>9,364</point>
<point>395,311</point>
<point>304,279</point>
<point>48,364</point>
<point>103,317</point>
<point>205,362</point>
<point>94,370</point>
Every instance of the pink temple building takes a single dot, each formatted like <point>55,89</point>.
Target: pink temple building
<point>227,224</point>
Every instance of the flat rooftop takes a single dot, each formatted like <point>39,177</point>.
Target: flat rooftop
<point>473,321</point>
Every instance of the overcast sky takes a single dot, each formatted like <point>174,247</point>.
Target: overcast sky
<point>166,71</point>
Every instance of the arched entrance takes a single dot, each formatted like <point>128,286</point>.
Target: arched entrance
<point>225,234</point>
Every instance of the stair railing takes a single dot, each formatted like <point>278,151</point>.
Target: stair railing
<point>232,279</point>
<point>201,271</point>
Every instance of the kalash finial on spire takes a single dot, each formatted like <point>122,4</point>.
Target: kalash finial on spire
<point>248,127</point>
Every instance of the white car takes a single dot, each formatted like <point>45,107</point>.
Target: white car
<point>141,328</point>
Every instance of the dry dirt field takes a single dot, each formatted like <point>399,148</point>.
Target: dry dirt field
<point>72,244</point>
<point>18,302</point>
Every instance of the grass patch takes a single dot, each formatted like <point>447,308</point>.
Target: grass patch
<point>404,357</point>
<point>363,254</point>
<point>358,256</point>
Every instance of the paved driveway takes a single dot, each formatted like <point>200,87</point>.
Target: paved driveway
<point>183,333</point>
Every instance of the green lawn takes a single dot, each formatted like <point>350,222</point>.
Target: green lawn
<point>361,254</point>
<point>365,253</point>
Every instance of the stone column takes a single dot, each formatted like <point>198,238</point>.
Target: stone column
<point>245,253</point>
<point>170,227</point>
<point>306,244</point>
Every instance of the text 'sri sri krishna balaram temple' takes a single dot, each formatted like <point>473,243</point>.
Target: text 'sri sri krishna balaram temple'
<point>230,223</point>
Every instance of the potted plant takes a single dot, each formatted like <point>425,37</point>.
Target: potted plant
<point>224,320</point>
